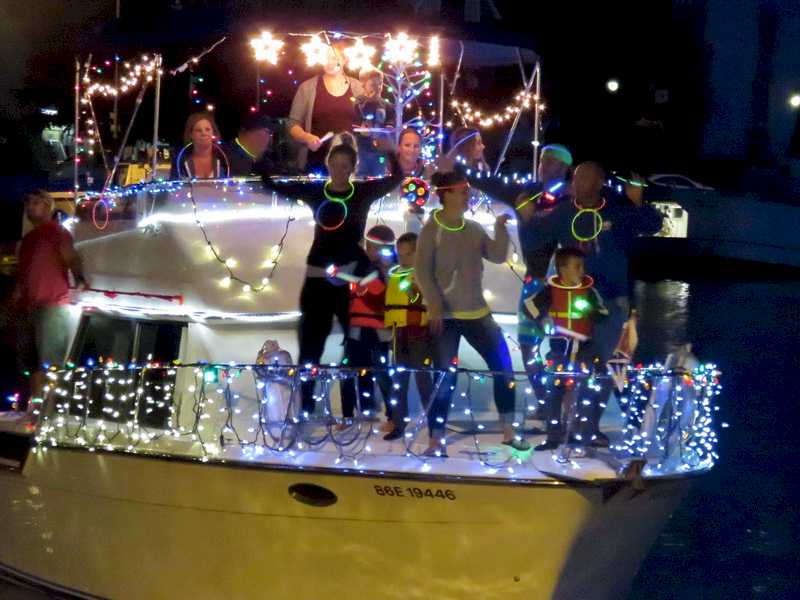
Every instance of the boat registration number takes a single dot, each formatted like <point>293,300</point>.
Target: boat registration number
<point>415,493</point>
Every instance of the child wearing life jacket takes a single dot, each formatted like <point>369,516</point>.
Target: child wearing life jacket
<point>407,318</point>
<point>566,308</point>
<point>368,340</point>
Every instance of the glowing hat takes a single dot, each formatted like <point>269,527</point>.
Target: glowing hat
<point>559,152</point>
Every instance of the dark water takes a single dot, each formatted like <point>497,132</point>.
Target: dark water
<point>736,534</point>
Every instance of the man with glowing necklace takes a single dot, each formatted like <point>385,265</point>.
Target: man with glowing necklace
<point>604,226</point>
<point>248,150</point>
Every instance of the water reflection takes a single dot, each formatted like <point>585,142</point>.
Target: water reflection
<point>663,318</point>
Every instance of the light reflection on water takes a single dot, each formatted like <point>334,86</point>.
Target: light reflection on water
<point>735,536</point>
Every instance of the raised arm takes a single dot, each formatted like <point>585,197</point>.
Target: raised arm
<point>495,187</point>
<point>308,191</point>
<point>496,250</point>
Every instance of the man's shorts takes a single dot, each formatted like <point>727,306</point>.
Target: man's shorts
<point>44,337</point>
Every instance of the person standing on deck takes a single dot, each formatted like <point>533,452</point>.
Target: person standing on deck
<point>604,226</point>
<point>341,207</point>
<point>46,257</point>
<point>323,104</point>
<point>528,200</point>
<point>449,270</point>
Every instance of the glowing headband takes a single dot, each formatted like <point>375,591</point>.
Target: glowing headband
<point>464,139</point>
<point>559,152</point>
<point>455,186</point>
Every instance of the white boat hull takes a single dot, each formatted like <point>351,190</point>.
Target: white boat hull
<point>122,526</point>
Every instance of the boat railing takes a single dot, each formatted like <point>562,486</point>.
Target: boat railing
<point>206,411</point>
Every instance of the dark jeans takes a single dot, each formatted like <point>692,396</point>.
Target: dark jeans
<point>366,352</point>
<point>487,338</point>
<point>320,300</point>
<point>412,354</point>
<point>605,338</point>
<point>579,417</point>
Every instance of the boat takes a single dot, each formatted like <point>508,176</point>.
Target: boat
<point>168,469</point>
<point>167,461</point>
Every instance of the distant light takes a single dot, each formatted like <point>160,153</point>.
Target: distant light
<point>49,111</point>
<point>612,85</point>
<point>209,107</point>
<point>794,100</point>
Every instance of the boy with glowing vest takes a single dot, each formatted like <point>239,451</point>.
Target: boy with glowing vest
<point>407,318</point>
<point>567,309</point>
<point>367,342</point>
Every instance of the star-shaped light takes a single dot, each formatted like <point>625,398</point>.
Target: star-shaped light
<point>359,56</point>
<point>400,50</point>
<point>316,51</point>
<point>267,47</point>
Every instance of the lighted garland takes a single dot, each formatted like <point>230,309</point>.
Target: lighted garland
<point>230,263</point>
<point>108,407</point>
<point>472,116</point>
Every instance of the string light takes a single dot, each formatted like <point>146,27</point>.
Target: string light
<point>668,419</point>
<point>522,101</point>
<point>266,47</point>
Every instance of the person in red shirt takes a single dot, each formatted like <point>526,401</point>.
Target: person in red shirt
<point>46,256</point>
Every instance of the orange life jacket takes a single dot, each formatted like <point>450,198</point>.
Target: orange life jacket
<point>367,304</point>
<point>570,307</point>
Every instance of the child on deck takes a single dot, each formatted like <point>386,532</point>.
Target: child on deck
<point>407,317</point>
<point>449,268</point>
<point>371,113</point>
<point>367,342</point>
<point>566,308</point>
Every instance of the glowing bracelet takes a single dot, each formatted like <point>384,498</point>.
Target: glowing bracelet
<point>446,227</point>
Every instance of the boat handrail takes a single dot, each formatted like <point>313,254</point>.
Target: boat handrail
<point>668,414</point>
